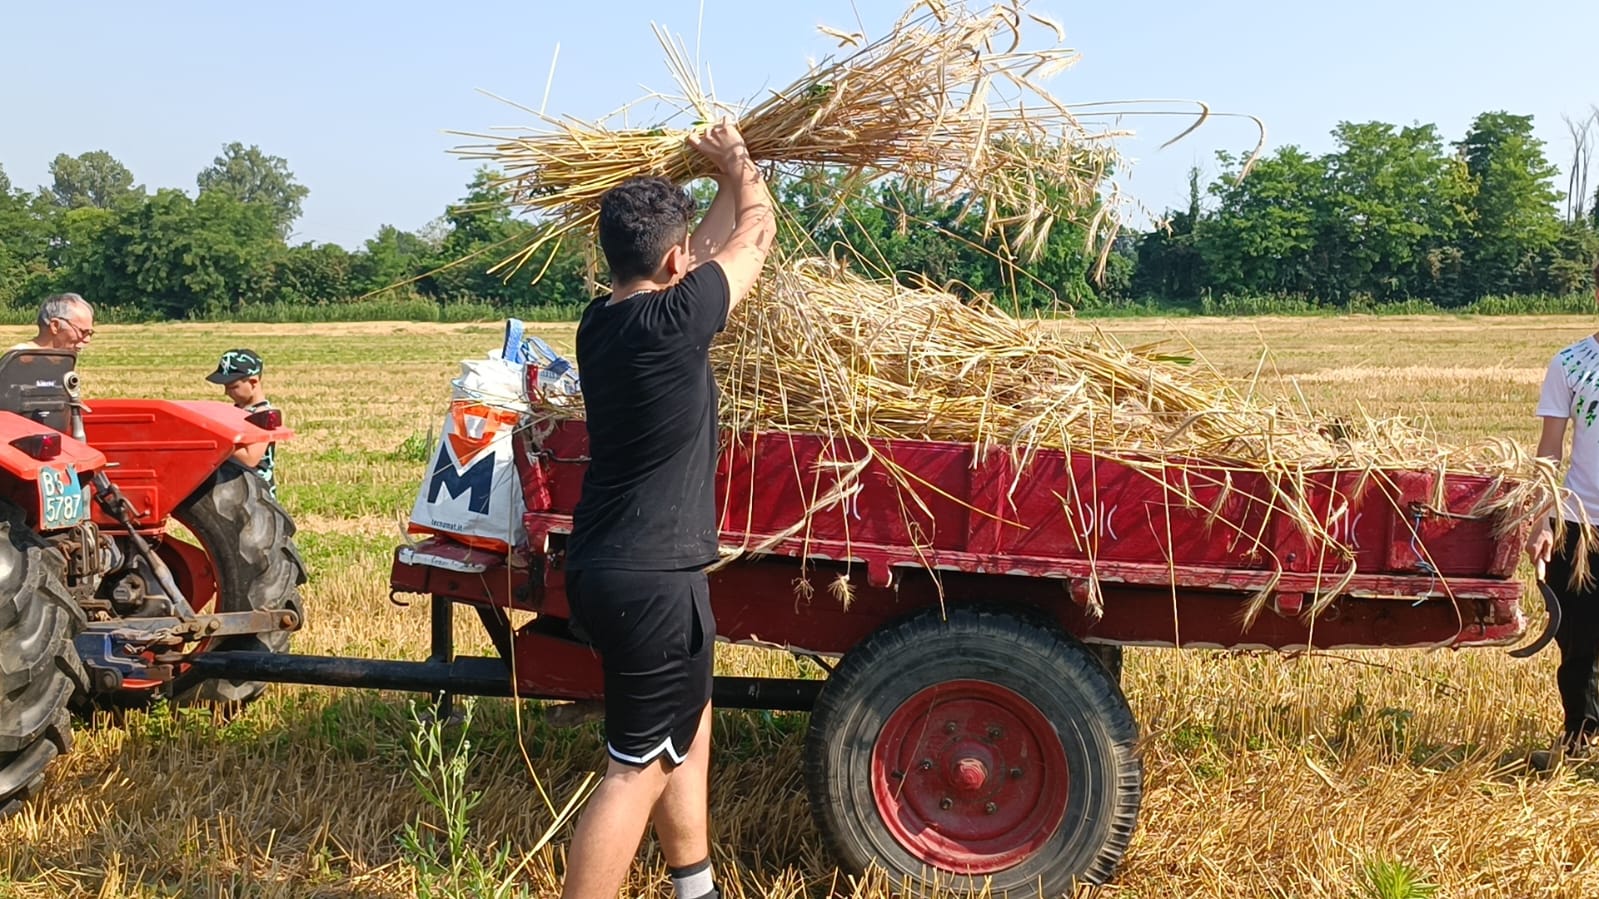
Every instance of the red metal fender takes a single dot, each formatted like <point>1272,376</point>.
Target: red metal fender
<point>160,451</point>
<point>20,484</point>
<point>192,569</point>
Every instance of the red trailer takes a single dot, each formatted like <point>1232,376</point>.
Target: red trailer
<point>973,724</point>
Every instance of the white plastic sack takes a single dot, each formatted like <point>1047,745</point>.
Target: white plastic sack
<point>470,492</point>
<point>493,381</point>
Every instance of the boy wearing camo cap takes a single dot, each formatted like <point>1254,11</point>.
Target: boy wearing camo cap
<point>239,373</point>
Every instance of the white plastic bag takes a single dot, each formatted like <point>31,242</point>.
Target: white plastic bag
<point>470,492</point>
<point>555,378</point>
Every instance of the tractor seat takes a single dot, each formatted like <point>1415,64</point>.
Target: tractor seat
<point>37,384</point>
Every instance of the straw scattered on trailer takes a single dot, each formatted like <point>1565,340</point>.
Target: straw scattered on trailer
<point>819,350</point>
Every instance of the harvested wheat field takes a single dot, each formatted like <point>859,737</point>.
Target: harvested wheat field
<point>1385,774</point>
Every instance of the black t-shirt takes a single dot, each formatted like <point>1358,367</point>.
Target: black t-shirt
<point>649,498</point>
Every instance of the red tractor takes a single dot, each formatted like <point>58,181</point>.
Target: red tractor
<point>100,603</point>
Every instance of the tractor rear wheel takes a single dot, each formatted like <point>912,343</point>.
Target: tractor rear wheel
<point>249,540</point>
<point>984,746</point>
<point>39,668</point>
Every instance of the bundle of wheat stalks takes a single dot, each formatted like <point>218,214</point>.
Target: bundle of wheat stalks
<point>819,350</point>
<point>946,100</point>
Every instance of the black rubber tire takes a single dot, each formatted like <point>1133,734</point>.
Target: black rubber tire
<point>250,539</point>
<point>40,673</point>
<point>1053,672</point>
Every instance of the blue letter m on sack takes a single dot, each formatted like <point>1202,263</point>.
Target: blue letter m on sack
<point>477,481</point>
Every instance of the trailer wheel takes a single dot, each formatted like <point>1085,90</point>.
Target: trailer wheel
<point>984,746</point>
<point>39,668</point>
<point>249,539</point>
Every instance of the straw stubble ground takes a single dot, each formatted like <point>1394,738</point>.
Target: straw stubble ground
<point>1266,776</point>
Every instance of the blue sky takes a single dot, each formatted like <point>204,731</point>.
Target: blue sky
<point>357,96</point>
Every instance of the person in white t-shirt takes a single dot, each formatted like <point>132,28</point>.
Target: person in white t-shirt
<point>1570,396</point>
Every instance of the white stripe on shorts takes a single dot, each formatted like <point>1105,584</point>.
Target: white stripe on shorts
<point>666,746</point>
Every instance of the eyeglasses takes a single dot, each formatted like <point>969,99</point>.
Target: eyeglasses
<point>83,333</point>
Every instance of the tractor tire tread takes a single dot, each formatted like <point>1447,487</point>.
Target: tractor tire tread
<point>251,540</point>
<point>40,673</point>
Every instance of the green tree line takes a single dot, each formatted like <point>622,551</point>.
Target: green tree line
<point>169,253</point>
<point>224,249</point>
<point>1393,214</point>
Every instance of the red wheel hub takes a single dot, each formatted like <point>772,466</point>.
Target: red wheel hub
<point>969,776</point>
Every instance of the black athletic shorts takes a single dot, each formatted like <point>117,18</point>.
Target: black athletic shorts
<point>654,632</point>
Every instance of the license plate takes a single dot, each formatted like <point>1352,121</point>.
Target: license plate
<point>62,498</point>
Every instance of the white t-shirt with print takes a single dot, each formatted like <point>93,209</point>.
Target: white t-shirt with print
<point>1571,391</point>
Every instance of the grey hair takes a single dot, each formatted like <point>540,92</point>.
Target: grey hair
<point>60,306</point>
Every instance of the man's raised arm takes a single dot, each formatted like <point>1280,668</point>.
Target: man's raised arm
<point>754,219</point>
<point>715,228</point>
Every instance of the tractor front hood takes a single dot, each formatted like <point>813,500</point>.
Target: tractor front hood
<point>160,451</point>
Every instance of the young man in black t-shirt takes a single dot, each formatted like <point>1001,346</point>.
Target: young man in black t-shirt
<point>645,527</point>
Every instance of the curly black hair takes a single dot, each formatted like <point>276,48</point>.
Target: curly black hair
<point>640,220</point>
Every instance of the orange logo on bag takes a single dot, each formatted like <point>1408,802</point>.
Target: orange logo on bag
<point>473,426</point>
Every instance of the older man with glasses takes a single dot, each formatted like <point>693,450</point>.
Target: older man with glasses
<point>66,322</point>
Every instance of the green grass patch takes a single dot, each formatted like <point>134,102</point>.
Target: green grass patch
<point>347,499</point>
<point>1383,878</point>
<point>417,448</point>
<point>327,552</point>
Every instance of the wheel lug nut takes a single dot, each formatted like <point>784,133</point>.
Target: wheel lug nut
<point>1015,774</point>
<point>926,765</point>
<point>949,727</point>
<point>995,733</point>
<point>946,803</point>
<point>990,808</point>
